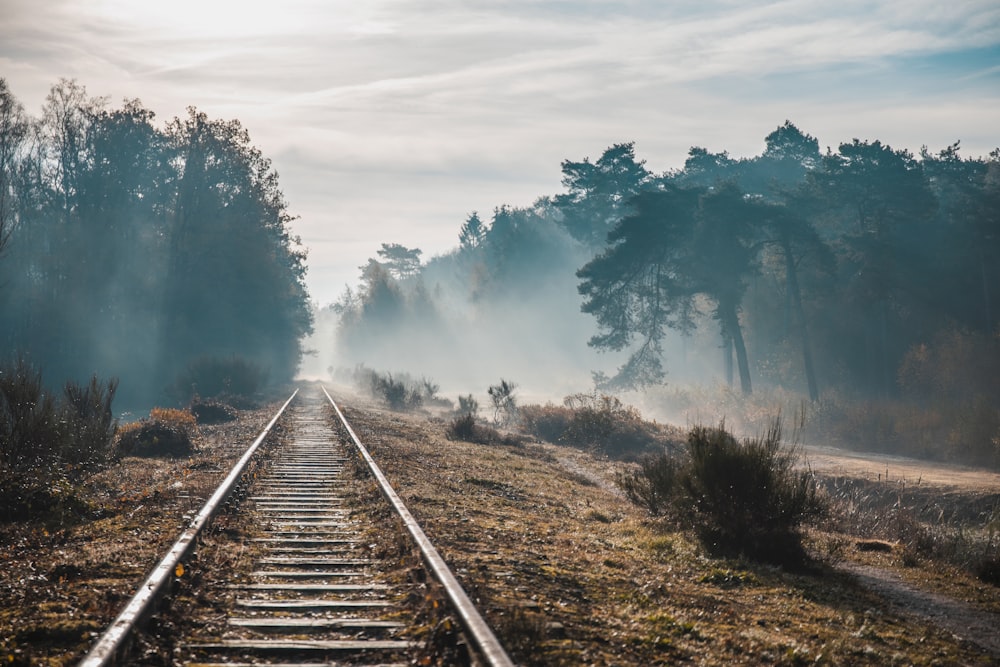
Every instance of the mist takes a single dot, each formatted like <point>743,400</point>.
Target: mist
<point>132,250</point>
<point>853,292</point>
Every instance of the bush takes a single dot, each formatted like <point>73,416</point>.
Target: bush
<point>395,393</point>
<point>402,392</point>
<point>38,431</point>
<point>504,403</point>
<point>655,485</point>
<point>31,427</point>
<point>466,429</point>
<point>746,497</point>
<point>211,412</point>
<point>215,377</point>
<point>91,420</point>
<point>605,423</point>
<point>48,442</point>
<point>742,498</point>
<point>167,433</point>
<point>155,439</point>
<point>547,422</point>
<point>468,405</point>
<point>596,421</point>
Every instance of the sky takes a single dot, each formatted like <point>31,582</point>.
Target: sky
<point>391,121</point>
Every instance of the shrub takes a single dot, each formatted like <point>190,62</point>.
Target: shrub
<point>463,428</point>
<point>38,431</point>
<point>467,405</point>
<point>740,497</point>
<point>400,392</point>
<point>504,403</point>
<point>31,428</point>
<point>547,422</point>
<point>173,417</point>
<point>215,377</point>
<point>155,439</point>
<point>655,485</point>
<point>746,497</point>
<point>211,412</point>
<point>466,429</point>
<point>596,421</point>
<point>168,432</point>
<point>91,420</point>
<point>605,423</point>
<point>48,442</point>
<point>395,392</point>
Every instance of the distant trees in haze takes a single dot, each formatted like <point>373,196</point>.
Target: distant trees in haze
<point>135,249</point>
<point>811,270</point>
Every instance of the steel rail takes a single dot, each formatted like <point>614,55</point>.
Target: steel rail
<point>112,645</point>
<point>475,625</point>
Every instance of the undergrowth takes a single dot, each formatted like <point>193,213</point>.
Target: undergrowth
<point>400,392</point>
<point>49,441</point>
<point>597,422</point>
<point>168,432</point>
<point>233,378</point>
<point>922,523</point>
<point>740,497</point>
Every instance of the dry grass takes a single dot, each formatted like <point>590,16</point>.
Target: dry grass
<point>180,418</point>
<point>571,573</point>
<point>62,581</point>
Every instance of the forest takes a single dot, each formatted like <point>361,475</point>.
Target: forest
<point>862,282</point>
<point>133,251</point>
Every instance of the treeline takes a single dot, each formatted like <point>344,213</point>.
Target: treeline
<point>131,250</point>
<point>865,271</point>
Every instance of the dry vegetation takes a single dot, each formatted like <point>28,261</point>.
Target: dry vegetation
<point>572,573</point>
<point>568,571</point>
<point>64,577</point>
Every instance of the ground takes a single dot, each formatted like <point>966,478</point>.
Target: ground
<point>567,570</point>
<point>62,581</point>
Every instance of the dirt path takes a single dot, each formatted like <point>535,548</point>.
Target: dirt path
<point>884,467</point>
<point>962,620</point>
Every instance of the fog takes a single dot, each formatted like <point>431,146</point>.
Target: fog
<point>132,250</point>
<point>726,289</point>
<point>535,336</point>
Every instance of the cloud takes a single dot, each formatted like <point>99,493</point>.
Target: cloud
<point>394,119</point>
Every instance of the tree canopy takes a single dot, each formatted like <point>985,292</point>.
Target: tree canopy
<point>135,249</point>
<point>807,270</point>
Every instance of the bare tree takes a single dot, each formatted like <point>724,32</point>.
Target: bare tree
<point>13,131</point>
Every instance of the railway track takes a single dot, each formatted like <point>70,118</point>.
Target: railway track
<point>313,594</point>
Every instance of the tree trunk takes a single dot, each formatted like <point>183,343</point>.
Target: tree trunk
<point>986,291</point>
<point>792,276</point>
<point>887,384</point>
<point>727,358</point>
<point>731,325</point>
<point>741,359</point>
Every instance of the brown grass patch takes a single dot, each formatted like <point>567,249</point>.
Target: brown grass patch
<point>569,572</point>
<point>63,583</point>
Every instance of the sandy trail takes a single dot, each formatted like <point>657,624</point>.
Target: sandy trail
<point>960,619</point>
<point>884,467</point>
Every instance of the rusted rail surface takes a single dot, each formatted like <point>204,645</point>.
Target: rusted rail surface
<point>113,644</point>
<point>478,631</point>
